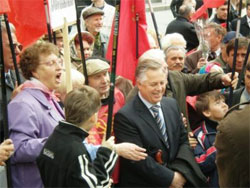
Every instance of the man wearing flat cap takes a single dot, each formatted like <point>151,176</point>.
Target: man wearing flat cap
<point>93,18</point>
<point>98,77</point>
<point>109,13</point>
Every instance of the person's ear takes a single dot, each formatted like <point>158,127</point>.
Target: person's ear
<point>206,113</point>
<point>35,74</point>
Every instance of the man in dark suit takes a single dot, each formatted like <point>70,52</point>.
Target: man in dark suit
<point>155,123</point>
<point>10,77</point>
<point>244,23</point>
<point>182,25</point>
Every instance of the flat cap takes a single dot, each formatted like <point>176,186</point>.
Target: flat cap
<point>91,11</point>
<point>95,66</point>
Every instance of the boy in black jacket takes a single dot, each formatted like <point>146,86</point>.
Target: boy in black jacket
<point>64,161</point>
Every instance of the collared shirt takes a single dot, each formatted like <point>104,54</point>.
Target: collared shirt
<point>149,105</point>
<point>248,21</point>
<point>245,96</point>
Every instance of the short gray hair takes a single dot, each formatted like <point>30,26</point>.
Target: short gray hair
<point>173,39</point>
<point>154,54</point>
<point>145,65</point>
<point>185,10</point>
<point>170,48</point>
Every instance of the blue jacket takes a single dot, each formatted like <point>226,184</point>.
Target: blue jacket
<point>205,152</point>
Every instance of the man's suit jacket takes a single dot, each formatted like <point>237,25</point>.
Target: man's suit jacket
<point>9,90</point>
<point>244,27</point>
<point>184,27</point>
<point>134,123</point>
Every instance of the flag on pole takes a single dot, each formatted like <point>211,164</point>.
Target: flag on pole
<point>202,11</point>
<point>126,50</point>
<point>29,18</point>
<point>4,6</point>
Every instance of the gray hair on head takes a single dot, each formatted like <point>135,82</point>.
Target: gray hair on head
<point>185,10</point>
<point>171,48</point>
<point>173,39</point>
<point>154,54</point>
<point>145,65</point>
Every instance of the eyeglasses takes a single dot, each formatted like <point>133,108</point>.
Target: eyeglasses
<point>15,46</point>
<point>18,45</point>
<point>52,63</point>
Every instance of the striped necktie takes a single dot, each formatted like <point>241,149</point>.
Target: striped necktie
<point>8,80</point>
<point>160,122</point>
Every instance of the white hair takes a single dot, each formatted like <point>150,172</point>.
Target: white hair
<point>155,54</point>
<point>173,39</point>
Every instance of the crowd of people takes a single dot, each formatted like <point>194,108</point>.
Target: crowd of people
<point>173,128</point>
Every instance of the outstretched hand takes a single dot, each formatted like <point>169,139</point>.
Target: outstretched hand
<point>131,151</point>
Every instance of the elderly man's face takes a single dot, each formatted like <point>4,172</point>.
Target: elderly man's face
<point>175,60</point>
<point>153,87</point>
<point>100,82</point>
<point>222,12</point>
<point>8,60</point>
<point>213,39</point>
<point>94,23</point>
<point>241,53</point>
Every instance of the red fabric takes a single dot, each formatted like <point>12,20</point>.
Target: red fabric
<point>126,55</point>
<point>203,157</point>
<point>29,18</point>
<point>213,3</point>
<point>202,11</point>
<point>4,6</point>
<point>97,132</point>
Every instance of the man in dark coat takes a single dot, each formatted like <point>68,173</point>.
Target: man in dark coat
<point>10,78</point>
<point>182,25</point>
<point>170,161</point>
<point>244,23</point>
<point>232,144</point>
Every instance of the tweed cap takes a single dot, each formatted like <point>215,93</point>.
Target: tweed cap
<point>95,66</point>
<point>91,11</point>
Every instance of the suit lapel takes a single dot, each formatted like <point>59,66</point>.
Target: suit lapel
<point>166,114</point>
<point>146,115</point>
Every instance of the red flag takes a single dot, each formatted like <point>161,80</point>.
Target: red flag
<point>202,11</point>
<point>126,50</point>
<point>4,6</point>
<point>213,3</point>
<point>29,18</point>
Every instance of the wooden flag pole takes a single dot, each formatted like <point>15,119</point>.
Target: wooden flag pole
<point>67,61</point>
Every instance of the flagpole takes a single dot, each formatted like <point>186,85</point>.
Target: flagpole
<point>81,45</point>
<point>154,22</point>
<point>228,11</point>
<point>235,53</point>
<point>113,69</point>
<point>4,103</point>
<point>47,20</point>
<point>12,49</point>
<point>244,67</point>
